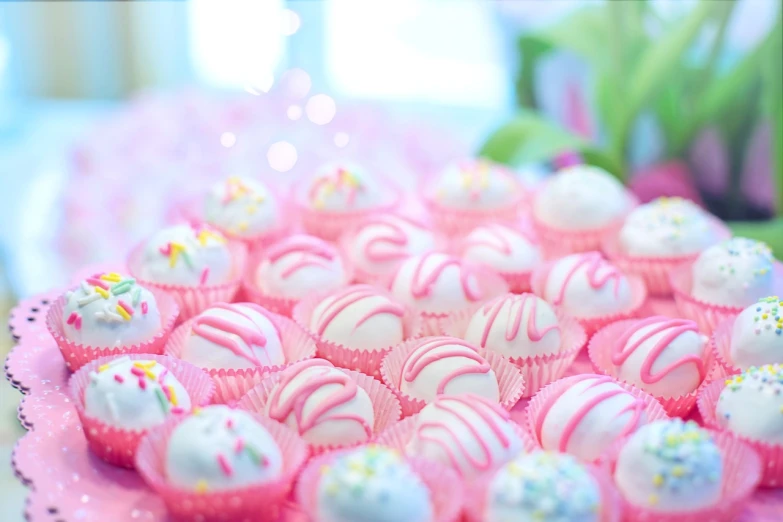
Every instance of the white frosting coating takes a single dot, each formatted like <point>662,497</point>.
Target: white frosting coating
<point>187,256</point>
<point>372,484</point>
<point>737,272</point>
<point>109,310</point>
<point>589,416</point>
<point>360,317</point>
<point>667,227</point>
<point>322,403</point>
<point>450,366</point>
<point>502,248</point>
<point>337,188</point>
<point>134,394</point>
<point>219,448</point>
<point>437,283</point>
<point>475,184</point>
<point>466,432</point>
<point>662,356</point>
<point>586,285</point>
<point>383,241</point>
<point>581,197</point>
<point>241,206</point>
<point>515,326</point>
<point>670,466</point>
<point>757,337</point>
<point>235,336</point>
<point>751,404</point>
<point>299,265</point>
<point>546,486</point>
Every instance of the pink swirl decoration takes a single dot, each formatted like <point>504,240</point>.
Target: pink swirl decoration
<point>593,262</point>
<point>352,295</point>
<point>313,252</point>
<point>378,248</point>
<point>514,318</point>
<point>422,282</point>
<point>423,356</point>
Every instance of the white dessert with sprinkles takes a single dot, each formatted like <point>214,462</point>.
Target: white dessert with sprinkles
<point>757,335</point>
<point>751,404</point>
<point>110,310</point>
<point>242,207</point>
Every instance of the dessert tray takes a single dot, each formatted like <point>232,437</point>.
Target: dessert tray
<point>68,484</point>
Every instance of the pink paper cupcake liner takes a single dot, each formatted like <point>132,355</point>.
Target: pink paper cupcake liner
<point>330,225</point>
<point>720,344</point>
<point>77,355</point>
<point>557,242</point>
<point>399,435</point>
<point>192,300</point>
<point>444,486</point>
<point>257,503</point>
<point>510,379</point>
<point>593,324</point>
<point>232,384</point>
<point>117,446</point>
<point>660,306</point>
<point>548,394</point>
<point>771,454</point>
<point>540,370</point>
<point>741,472</point>
<point>385,405</point>
<point>456,222</point>
<point>599,351</point>
<point>653,270</point>
<point>611,502</point>
<point>278,304</point>
<point>365,361</point>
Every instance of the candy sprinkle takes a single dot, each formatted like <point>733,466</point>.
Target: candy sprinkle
<point>201,487</point>
<point>162,400</point>
<point>119,378</point>
<point>204,275</point>
<point>144,308</point>
<point>103,292</point>
<point>224,465</point>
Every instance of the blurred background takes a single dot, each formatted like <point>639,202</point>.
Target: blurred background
<point>113,113</point>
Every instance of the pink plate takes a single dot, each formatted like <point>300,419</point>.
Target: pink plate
<point>68,484</point>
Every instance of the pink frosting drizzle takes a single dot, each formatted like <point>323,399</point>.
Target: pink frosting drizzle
<point>421,357</point>
<point>636,406</point>
<point>223,331</point>
<point>514,320</point>
<point>622,349</point>
<point>395,236</point>
<point>493,416</point>
<point>313,252</point>
<point>593,262</point>
<point>421,285</point>
<point>344,298</point>
<point>280,410</point>
<point>497,240</point>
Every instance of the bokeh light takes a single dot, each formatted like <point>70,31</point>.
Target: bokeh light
<point>281,156</point>
<point>320,109</point>
<point>289,22</point>
<point>260,83</point>
<point>228,139</point>
<point>341,139</point>
<point>296,83</point>
<point>294,112</point>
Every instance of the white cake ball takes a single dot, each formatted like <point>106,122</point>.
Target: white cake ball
<point>580,198</point>
<point>110,310</point>
<point>737,272</point>
<point>516,326</point>
<point>546,486</point>
<point>233,336</point>
<point>337,188</point>
<point>589,416</point>
<point>187,256</point>
<point>382,241</point>
<point>661,355</point>
<point>437,283</point>
<point>134,394</point>
<point>359,317</point>
<point>751,404</point>
<point>502,248</point>
<point>587,285</point>
<point>466,432</point>
<point>299,265</point>
<point>447,365</point>
<point>475,184</point>
<point>670,465</point>
<point>757,336</point>
<point>372,484</point>
<point>241,206</point>
<point>322,403</point>
<point>667,227</point>
<point>219,448</point>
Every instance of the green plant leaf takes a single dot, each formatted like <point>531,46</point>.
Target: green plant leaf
<point>531,48</point>
<point>772,103</point>
<point>586,33</point>
<point>770,232</point>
